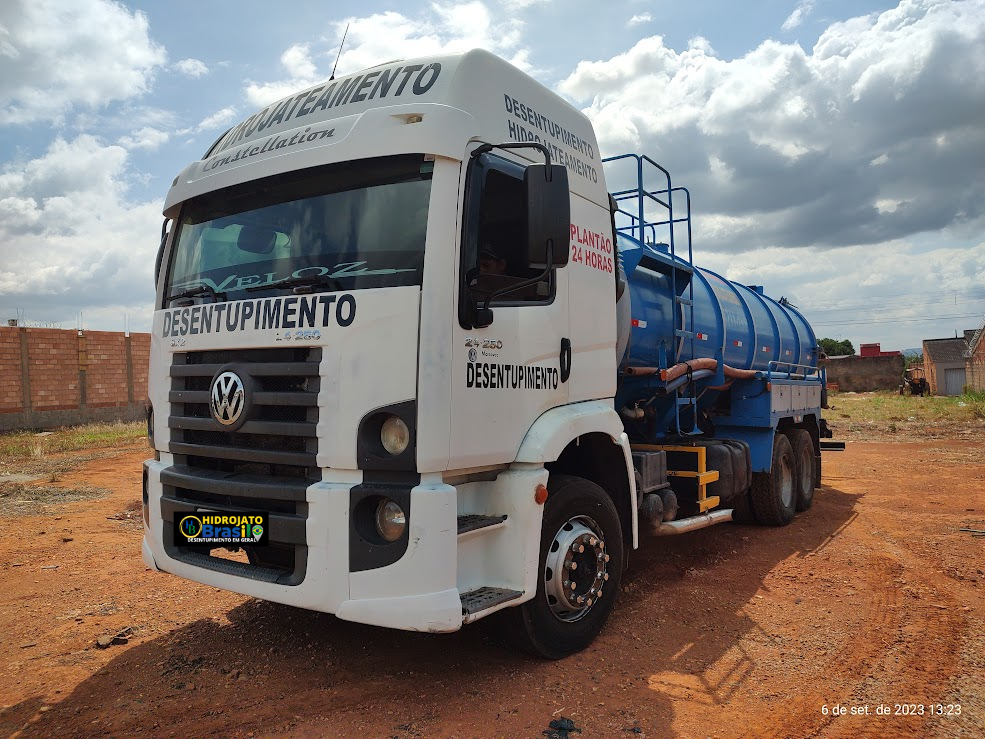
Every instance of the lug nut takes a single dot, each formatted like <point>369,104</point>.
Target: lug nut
<point>601,545</point>
<point>573,586</point>
<point>605,576</point>
<point>592,541</point>
<point>580,599</point>
<point>606,558</point>
<point>572,565</point>
<point>589,603</point>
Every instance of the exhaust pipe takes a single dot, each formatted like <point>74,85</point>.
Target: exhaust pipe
<point>703,521</point>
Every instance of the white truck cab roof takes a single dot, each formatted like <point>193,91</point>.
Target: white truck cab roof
<point>433,105</point>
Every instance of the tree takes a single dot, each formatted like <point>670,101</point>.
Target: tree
<point>835,348</point>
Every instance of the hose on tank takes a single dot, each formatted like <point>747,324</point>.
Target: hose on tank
<point>683,368</point>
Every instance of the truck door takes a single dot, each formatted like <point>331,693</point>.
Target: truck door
<point>508,373</point>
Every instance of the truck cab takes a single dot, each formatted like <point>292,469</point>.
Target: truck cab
<point>385,321</point>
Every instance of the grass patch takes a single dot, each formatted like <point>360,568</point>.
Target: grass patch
<point>19,499</point>
<point>26,446</point>
<point>888,407</point>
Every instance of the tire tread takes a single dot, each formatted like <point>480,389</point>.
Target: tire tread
<point>764,494</point>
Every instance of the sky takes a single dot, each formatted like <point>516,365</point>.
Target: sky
<point>834,149</point>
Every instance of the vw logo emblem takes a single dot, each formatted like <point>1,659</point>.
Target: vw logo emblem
<point>228,398</point>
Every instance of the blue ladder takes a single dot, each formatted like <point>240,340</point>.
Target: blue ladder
<point>638,228</point>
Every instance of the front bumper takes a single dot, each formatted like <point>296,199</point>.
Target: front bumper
<point>416,593</point>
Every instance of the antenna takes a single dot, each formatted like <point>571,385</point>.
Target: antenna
<point>340,53</point>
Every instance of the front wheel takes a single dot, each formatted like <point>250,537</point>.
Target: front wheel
<point>581,556</point>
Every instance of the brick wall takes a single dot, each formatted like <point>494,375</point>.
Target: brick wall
<point>863,374</point>
<point>105,362</point>
<point>54,365</point>
<point>11,389</point>
<point>140,355</point>
<point>54,377</point>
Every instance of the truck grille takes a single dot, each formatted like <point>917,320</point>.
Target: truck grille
<point>265,465</point>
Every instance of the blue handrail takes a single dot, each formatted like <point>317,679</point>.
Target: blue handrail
<point>639,227</point>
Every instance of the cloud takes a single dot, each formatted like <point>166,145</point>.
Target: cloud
<point>896,299</point>
<point>297,61</point>
<point>522,4</point>
<point>371,40</point>
<point>58,53</point>
<point>145,138</point>
<point>786,148</point>
<point>798,15</point>
<point>639,19</point>
<point>302,72</point>
<point>70,240</point>
<point>192,67</point>
<point>219,119</point>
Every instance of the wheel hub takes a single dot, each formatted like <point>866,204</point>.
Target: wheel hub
<point>806,470</point>
<point>575,570</point>
<point>786,484</point>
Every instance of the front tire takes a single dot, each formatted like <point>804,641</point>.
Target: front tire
<point>773,495</point>
<point>581,559</point>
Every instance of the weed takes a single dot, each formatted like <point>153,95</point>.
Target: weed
<point>27,445</point>
<point>889,409</point>
<point>19,499</point>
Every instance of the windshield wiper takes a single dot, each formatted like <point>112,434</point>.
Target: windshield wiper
<point>301,285</point>
<point>197,292</point>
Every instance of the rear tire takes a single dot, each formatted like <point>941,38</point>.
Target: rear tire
<point>741,509</point>
<point>554,623</point>
<point>773,495</point>
<point>804,473</point>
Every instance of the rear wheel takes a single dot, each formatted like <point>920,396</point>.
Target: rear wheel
<point>741,509</point>
<point>581,556</point>
<point>803,456</point>
<point>773,495</point>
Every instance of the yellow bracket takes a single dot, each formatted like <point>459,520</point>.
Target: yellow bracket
<point>707,504</point>
<point>701,473</point>
<point>703,477</point>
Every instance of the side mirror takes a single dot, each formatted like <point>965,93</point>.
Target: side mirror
<point>548,214</point>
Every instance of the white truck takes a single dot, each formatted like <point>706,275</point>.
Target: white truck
<point>386,320</point>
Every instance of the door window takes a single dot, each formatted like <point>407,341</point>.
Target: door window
<point>494,240</point>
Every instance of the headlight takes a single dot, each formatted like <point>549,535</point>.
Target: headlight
<point>390,519</point>
<point>395,435</point>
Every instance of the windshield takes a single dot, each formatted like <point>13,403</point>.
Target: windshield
<point>351,226</point>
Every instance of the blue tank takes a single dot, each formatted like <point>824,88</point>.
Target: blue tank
<point>733,322</point>
<point>749,327</point>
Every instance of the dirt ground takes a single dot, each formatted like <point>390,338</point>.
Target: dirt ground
<point>872,603</point>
